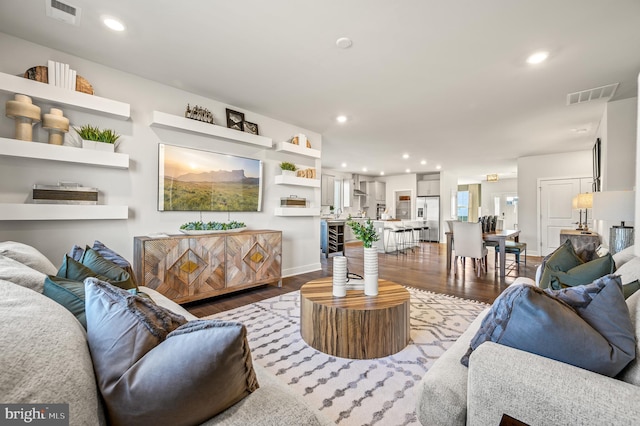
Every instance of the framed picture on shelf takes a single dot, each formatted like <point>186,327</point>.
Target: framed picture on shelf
<point>235,120</point>
<point>250,128</point>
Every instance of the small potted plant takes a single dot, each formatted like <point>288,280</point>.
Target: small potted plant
<point>288,169</point>
<point>95,138</point>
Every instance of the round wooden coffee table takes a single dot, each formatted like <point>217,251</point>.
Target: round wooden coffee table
<point>355,326</point>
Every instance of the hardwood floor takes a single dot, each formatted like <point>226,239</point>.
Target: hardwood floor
<point>425,269</point>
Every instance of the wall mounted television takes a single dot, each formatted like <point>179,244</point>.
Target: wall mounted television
<point>196,180</point>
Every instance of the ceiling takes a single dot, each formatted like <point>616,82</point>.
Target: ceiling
<point>441,81</point>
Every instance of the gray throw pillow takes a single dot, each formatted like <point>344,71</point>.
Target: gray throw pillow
<point>595,334</point>
<point>155,368</point>
<point>582,274</point>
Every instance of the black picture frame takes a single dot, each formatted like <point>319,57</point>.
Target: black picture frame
<point>597,159</point>
<point>235,120</point>
<point>250,128</point>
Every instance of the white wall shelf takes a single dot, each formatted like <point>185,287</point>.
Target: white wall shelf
<point>62,212</point>
<point>297,211</point>
<point>299,181</point>
<point>175,122</point>
<point>63,97</point>
<point>297,149</point>
<point>69,154</point>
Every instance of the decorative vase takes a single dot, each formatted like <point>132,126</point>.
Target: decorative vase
<point>56,124</point>
<point>339,276</point>
<point>371,271</point>
<point>98,146</point>
<point>289,173</point>
<point>26,115</point>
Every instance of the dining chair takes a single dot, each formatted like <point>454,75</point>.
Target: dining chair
<point>469,243</point>
<point>515,248</point>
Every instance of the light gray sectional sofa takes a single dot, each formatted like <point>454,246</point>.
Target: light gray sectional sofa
<point>535,390</point>
<point>45,357</point>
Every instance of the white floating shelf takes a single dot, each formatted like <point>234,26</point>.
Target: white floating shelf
<point>69,154</point>
<point>297,211</point>
<point>62,212</point>
<point>300,181</point>
<point>175,122</point>
<point>297,149</point>
<point>63,97</point>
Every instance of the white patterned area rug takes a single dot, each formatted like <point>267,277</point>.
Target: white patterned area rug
<point>354,392</point>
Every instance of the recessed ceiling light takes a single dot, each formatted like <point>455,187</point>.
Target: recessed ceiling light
<point>344,164</point>
<point>341,119</point>
<point>581,130</point>
<point>405,156</point>
<point>344,42</point>
<point>408,170</point>
<point>113,24</point>
<point>381,173</point>
<point>364,169</point>
<point>438,167</point>
<point>423,162</point>
<point>537,57</point>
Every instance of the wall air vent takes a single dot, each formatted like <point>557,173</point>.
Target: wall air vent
<point>603,92</point>
<point>64,12</point>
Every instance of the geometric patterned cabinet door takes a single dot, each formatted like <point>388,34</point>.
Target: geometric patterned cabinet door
<point>186,268</point>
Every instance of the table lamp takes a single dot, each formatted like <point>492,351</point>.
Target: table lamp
<point>616,206</point>
<point>585,201</point>
<point>574,206</point>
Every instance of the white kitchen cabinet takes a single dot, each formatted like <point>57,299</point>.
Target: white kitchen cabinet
<point>327,190</point>
<point>428,187</point>
<point>376,193</point>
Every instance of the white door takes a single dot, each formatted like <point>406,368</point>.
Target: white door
<point>556,210</point>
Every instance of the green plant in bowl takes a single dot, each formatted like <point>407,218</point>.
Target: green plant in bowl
<point>91,133</point>
<point>212,226</point>
<point>285,165</point>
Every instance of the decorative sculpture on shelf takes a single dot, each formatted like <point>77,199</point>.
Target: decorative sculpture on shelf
<point>26,115</point>
<point>199,114</point>
<point>56,124</point>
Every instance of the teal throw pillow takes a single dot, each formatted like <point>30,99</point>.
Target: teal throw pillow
<point>76,271</point>
<point>582,274</point>
<point>629,289</point>
<point>115,274</point>
<point>562,259</point>
<point>68,293</point>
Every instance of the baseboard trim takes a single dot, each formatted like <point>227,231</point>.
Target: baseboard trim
<point>301,270</point>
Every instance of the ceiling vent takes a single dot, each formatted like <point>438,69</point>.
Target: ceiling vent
<point>64,12</point>
<point>603,92</point>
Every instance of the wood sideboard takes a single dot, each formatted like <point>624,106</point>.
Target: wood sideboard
<point>186,268</point>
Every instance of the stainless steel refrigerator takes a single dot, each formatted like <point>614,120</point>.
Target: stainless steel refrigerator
<point>428,209</point>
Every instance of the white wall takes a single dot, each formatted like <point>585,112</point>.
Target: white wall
<point>530,169</point>
<point>405,182</point>
<point>618,136</point>
<point>137,187</point>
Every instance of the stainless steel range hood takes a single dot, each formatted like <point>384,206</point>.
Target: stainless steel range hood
<point>356,187</point>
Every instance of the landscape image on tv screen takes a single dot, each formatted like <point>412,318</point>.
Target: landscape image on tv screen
<point>196,180</point>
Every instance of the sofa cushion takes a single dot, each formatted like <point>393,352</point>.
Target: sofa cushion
<point>629,271</point>
<point>562,259</point>
<point>21,274</point>
<point>584,273</point>
<point>442,392</point>
<point>68,293</point>
<point>153,367</point>
<point>629,289</point>
<point>44,355</point>
<point>595,333</point>
<point>624,256</point>
<point>631,374</point>
<point>27,255</point>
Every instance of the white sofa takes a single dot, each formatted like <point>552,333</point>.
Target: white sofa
<point>535,390</point>
<point>45,357</point>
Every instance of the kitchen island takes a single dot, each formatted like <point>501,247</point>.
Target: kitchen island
<point>395,235</point>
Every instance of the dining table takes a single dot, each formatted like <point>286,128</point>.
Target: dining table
<point>497,236</point>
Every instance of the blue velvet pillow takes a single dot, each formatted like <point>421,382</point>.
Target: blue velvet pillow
<point>586,326</point>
